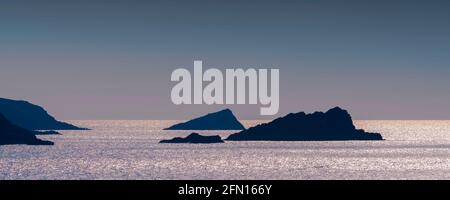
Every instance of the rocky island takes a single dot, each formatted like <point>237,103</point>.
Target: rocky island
<point>32,117</point>
<point>335,124</point>
<point>222,120</point>
<point>195,138</point>
<point>12,134</point>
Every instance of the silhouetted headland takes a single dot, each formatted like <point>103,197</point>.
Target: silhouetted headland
<point>335,124</point>
<point>32,117</point>
<point>222,120</point>
<point>12,134</point>
<point>195,138</point>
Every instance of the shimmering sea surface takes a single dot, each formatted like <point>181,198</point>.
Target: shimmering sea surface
<point>130,150</point>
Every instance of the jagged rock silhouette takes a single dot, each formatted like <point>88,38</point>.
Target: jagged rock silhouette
<point>47,133</point>
<point>335,124</point>
<point>195,138</point>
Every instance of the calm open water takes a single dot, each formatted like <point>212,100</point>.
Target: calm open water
<point>130,150</point>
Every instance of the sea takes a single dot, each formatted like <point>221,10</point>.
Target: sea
<point>130,149</point>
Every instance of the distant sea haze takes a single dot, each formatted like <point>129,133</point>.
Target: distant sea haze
<point>130,149</point>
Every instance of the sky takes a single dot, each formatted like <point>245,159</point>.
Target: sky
<point>113,59</point>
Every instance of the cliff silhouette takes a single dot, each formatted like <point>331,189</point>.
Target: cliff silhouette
<point>335,124</point>
<point>32,117</point>
<point>222,120</point>
<point>12,134</point>
<point>195,138</point>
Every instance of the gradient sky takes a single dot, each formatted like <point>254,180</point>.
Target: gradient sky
<point>113,59</point>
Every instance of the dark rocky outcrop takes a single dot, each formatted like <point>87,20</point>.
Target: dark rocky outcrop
<point>46,133</point>
<point>195,138</point>
<point>335,124</point>
<point>222,120</point>
<point>12,134</point>
<point>32,117</point>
